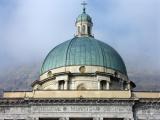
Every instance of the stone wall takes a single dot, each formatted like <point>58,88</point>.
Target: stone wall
<point>78,110</point>
<point>147,110</point>
<point>98,109</point>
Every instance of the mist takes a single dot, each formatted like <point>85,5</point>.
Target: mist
<point>29,29</point>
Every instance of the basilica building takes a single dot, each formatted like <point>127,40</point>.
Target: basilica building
<point>81,79</point>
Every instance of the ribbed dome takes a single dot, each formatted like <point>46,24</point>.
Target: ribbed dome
<point>84,18</point>
<point>85,51</point>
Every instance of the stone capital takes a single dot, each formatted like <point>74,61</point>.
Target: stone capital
<point>98,118</point>
<point>64,118</point>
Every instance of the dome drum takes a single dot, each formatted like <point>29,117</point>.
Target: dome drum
<point>88,70</point>
<point>82,81</point>
<point>76,77</point>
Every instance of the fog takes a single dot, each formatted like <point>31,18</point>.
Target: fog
<point>29,29</point>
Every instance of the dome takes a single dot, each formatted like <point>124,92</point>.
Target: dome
<point>85,51</point>
<point>84,17</point>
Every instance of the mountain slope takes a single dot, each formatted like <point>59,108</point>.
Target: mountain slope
<point>21,77</point>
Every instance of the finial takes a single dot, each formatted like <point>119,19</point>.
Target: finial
<point>84,6</point>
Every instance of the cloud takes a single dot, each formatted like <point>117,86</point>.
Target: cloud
<point>34,27</point>
<point>133,28</point>
<point>30,28</point>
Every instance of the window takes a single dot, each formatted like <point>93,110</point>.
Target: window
<point>83,29</point>
<point>79,29</point>
<point>61,85</point>
<point>103,84</point>
<point>49,74</point>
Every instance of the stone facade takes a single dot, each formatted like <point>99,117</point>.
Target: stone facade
<point>34,109</point>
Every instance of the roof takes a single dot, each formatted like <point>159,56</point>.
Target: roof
<point>84,51</point>
<point>68,94</point>
<point>84,18</point>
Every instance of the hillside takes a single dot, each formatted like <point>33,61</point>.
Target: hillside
<point>21,77</point>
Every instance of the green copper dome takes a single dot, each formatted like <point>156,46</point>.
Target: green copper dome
<point>84,18</point>
<point>85,51</point>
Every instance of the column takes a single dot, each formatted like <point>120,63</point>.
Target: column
<point>107,86</point>
<point>57,82</point>
<point>122,83</point>
<point>98,118</point>
<point>101,118</point>
<point>64,118</point>
<point>36,119</point>
<point>30,118</point>
<point>128,86</point>
<point>98,85</point>
<point>66,85</point>
<point>127,119</point>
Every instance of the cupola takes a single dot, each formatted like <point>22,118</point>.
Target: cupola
<point>84,23</point>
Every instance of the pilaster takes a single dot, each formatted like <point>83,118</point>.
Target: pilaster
<point>66,85</point>
<point>107,86</point>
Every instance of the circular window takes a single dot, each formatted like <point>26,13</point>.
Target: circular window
<point>49,74</point>
<point>82,69</point>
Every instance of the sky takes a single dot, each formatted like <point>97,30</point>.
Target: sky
<point>29,29</point>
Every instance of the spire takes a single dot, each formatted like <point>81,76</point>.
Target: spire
<point>84,6</point>
<point>84,23</point>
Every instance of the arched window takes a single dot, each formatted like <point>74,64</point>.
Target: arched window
<point>81,87</point>
<point>83,29</point>
<point>103,84</point>
<point>89,30</point>
<point>61,85</point>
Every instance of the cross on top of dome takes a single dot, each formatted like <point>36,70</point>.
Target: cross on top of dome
<point>84,6</point>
